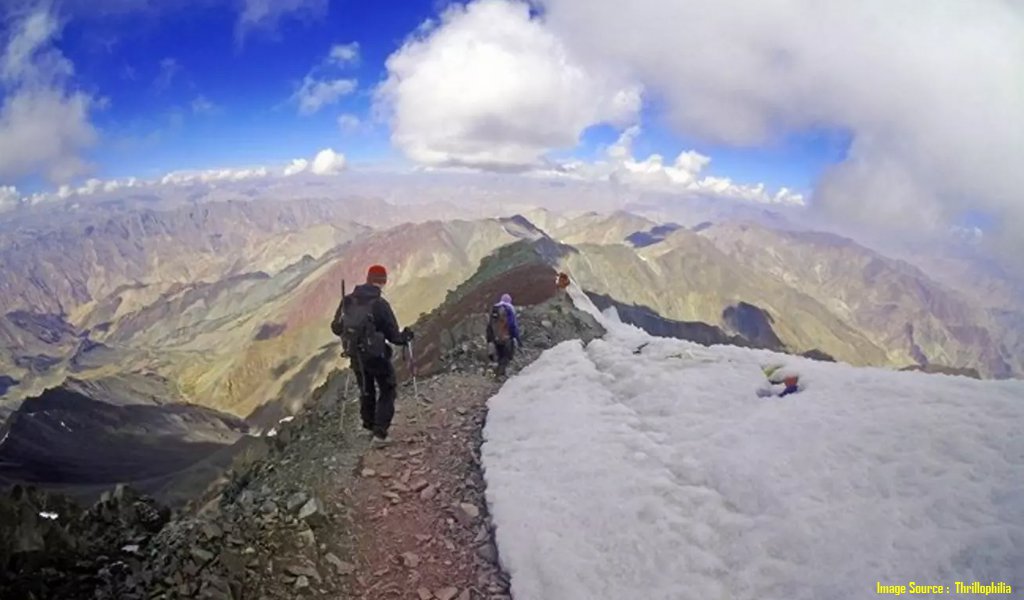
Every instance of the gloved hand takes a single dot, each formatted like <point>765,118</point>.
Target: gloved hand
<point>407,335</point>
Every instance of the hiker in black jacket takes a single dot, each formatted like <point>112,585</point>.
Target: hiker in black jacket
<point>365,323</point>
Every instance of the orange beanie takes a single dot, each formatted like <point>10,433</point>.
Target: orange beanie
<point>377,274</point>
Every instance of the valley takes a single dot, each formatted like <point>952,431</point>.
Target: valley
<point>227,306</point>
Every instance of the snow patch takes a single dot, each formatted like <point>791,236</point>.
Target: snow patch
<point>662,475</point>
<point>273,430</point>
<point>49,515</point>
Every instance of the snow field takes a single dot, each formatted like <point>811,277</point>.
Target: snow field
<point>662,475</point>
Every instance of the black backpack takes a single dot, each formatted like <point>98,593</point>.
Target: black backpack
<point>499,323</point>
<point>355,326</point>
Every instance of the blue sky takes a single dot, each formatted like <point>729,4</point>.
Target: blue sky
<point>249,85</point>
<point>182,90</point>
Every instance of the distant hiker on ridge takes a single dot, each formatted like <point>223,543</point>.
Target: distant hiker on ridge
<point>502,333</point>
<point>562,281</point>
<point>365,323</point>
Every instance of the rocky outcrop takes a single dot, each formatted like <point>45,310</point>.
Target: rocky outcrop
<point>750,327</point>
<point>85,436</point>
<point>253,531</point>
<point>51,548</point>
<point>751,323</point>
<point>650,321</point>
<point>944,370</point>
<point>7,382</point>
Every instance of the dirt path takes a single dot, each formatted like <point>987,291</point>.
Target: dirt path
<point>419,522</point>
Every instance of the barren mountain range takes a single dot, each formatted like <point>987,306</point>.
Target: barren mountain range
<point>820,291</point>
<point>229,299</point>
<point>202,315</point>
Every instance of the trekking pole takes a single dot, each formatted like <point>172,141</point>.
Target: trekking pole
<point>344,353</point>
<point>412,371</point>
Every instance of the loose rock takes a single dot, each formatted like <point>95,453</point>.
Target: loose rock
<point>295,501</point>
<point>467,513</point>
<point>342,567</point>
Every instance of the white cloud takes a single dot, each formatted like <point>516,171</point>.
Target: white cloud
<point>344,54</point>
<point>9,197</point>
<point>682,175</point>
<point>30,55</point>
<point>298,165</point>
<point>315,94</point>
<point>931,93</point>
<point>328,162</point>
<point>44,125</point>
<point>266,15</point>
<point>325,162</point>
<point>213,176</point>
<point>349,123</point>
<point>169,68</point>
<point>322,86</point>
<point>202,105</point>
<point>491,87</point>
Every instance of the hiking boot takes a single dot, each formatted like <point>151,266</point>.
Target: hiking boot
<point>380,436</point>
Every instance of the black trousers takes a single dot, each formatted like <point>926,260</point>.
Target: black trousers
<point>504,350</point>
<point>377,391</point>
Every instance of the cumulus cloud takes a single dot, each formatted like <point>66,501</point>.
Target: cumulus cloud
<point>931,93</point>
<point>683,175</point>
<point>297,165</point>
<point>44,123</point>
<point>266,15</point>
<point>95,186</point>
<point>90,187</point>
<point>325,162</point>
<point>323,86</point>
<point>344,54</point>
<point>328,162</point>
<point>213,176</point>
<point>489,86</point>
<point>349,123</point>
<point>315,94</point>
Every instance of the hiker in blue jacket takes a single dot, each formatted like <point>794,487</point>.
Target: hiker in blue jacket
<point>502,333</point>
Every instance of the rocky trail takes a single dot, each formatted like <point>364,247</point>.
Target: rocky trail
<point>420,527</point>
<point>307,510</point>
